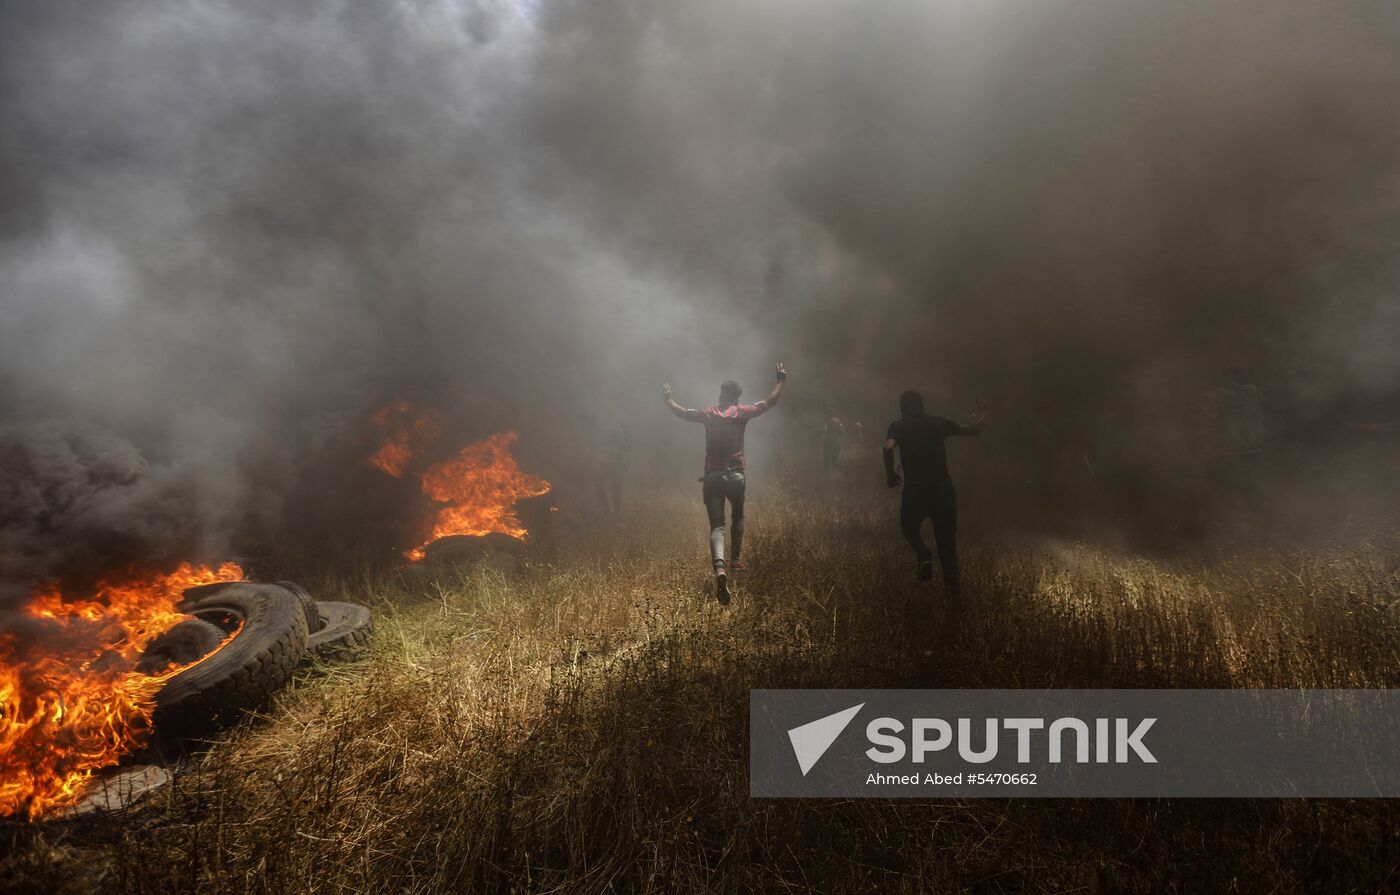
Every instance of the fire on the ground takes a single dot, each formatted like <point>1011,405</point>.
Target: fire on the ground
<point>71,698</point>
<point>475,492</point>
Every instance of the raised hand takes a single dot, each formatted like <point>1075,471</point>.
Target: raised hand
<point>666,391</point>
<point>782,372</point>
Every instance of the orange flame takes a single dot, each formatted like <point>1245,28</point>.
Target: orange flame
<point>480,488</point>
<point>405,430</point>
<point>71,702</point>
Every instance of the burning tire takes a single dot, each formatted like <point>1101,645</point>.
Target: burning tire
<point>471,548</point>
<point>271,639</point>
<point>345,628</point>
<point>189,641</point>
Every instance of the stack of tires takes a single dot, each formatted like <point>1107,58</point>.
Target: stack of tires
<point>278,626</point>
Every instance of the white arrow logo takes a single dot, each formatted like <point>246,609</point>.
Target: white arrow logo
<point>811,740</point>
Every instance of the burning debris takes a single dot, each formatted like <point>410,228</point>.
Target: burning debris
<point>120,790</point>
<point>478,491</point>
<point>87,680</point>
<point>406,431</point>
<point>91,675</point>
<point>72,696</point>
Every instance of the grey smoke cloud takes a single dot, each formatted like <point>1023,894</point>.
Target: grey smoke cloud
<point>231,229</point>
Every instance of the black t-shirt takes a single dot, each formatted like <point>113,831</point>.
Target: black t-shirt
<point>921,451</point>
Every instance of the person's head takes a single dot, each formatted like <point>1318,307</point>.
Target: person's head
<point>729,392</point>
<point>911,403</point>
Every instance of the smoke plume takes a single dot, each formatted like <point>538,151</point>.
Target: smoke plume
<point>232,230</point>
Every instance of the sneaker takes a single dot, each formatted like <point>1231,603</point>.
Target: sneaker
<point>722,588</point>
<point>740,567</point>
<point>926,570</point>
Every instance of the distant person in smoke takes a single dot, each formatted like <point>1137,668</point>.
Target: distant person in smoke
<point>724,477</point>
<point>928,489</point>
<point>833,432</point>
<point>612,469</point>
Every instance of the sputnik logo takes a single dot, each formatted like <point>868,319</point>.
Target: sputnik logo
<point>811,740</point>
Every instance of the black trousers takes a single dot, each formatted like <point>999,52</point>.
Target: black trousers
<point>938,502</point>
<point>722,485</point>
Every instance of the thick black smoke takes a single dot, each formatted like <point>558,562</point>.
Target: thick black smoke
<point>67,484</point>
<point>230,230</point>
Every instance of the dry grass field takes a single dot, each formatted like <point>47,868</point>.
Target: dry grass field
<point>581,726</point>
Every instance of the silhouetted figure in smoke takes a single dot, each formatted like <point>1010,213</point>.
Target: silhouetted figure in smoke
<point>832,434</point>
<point>928,489</point>
<point>724,466</point>
<point>612,469</point>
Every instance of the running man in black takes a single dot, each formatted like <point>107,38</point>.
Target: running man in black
<point>928,489</point>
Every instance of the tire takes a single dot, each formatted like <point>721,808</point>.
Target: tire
<point>345,629</point>
<point>248,669</point>
<point>308,605</point>
<point>187,642</point>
